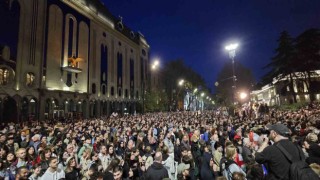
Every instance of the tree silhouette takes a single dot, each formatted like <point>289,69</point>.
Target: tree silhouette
<point>307,50</point>
<point>284,63</point>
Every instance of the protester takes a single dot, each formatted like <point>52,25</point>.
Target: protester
<point>174,145</point>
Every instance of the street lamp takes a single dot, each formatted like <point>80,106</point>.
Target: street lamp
<point>154,67</point>
<point>181,82</point>
<point>231,48</point>
<point>155,64</point>
<point>243,95</point>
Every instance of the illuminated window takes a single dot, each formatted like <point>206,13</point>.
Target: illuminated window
<point>4,76</point>
<point>30,79</point>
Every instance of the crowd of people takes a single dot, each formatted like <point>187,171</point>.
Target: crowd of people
<point>253,145</point>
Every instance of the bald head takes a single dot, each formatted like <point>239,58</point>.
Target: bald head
<point>158,157</point>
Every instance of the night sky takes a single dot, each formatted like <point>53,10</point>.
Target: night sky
<point>197,31</point>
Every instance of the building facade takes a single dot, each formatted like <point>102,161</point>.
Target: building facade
<point>68,58</point>
<point>278,92</point>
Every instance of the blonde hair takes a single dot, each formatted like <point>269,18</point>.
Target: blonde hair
<point>230,151</point>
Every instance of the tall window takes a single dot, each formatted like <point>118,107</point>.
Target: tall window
<point>93,88</point>
<point>119,68</point>
<point>30,79</point>
<point>103,89</point>
<point>70,41</point>
<point>104,63</point>
<point>112,91</point>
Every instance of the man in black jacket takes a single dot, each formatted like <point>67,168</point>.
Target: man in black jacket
<point>278,165</point>
<point>157,171</point>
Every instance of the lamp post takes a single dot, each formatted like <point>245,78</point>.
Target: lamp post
<point>154,67</point>
<point>232,53</point>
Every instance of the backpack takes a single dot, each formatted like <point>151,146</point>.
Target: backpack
<point>299,169</point>
<point>224,165</point>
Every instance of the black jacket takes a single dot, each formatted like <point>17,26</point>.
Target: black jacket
<point>277,163</point>
<point>314,154</point>
<point>156,172</point>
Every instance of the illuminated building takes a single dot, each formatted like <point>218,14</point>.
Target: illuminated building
<point>63,58</point>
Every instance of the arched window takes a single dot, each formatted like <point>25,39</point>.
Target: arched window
<point>93,88</point>
<point>30,79</point>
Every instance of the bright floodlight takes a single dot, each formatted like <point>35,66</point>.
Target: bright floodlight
<point>195,90</point>
<point>231,47</point>
<point>243,95</point>
<point>155,64</point>
<point>202,94</point>
<point>181,82</point>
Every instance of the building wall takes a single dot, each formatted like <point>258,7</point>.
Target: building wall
<point>51,32</point>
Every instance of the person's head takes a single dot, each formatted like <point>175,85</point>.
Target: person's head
<point>231,152</point>
<point>3,151</point>
<point>21,153</point>
<point>95,157</point>
<point>185,138</point>
<point>22,173</point>
<point>117,173</point>
<point>130,144</point>
<point>158,157</point>
<point>165,150</point>
<point>121,144</point>
<point>218,146</point>
<point>238,176</point>
<point>278,132</point>
<point>86,153</point>
<point>88,140</point>
<point>10,139</point>
<point>11,157</point>
<point>53,163</point>
<point>184,151</point>
<point>30,150</point>
<point>3,138</point>
<point>44,139</point>
<point>71,162</point>
<point>70,148</point>
<point>46,154</point>
<point>110,150</point>
<point>36,138</point>
<point>36,169</point>
<point>103,149</point>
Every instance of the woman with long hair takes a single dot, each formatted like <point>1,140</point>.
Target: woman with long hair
<point>71,172</point>
<point>11,169</point>
<point>44,158</point>
<point>31,155</point>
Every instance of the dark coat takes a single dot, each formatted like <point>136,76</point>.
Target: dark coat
<point>156,172</point>
<point>206,172</point>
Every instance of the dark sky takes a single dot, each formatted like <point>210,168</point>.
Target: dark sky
<point>197,31</point>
